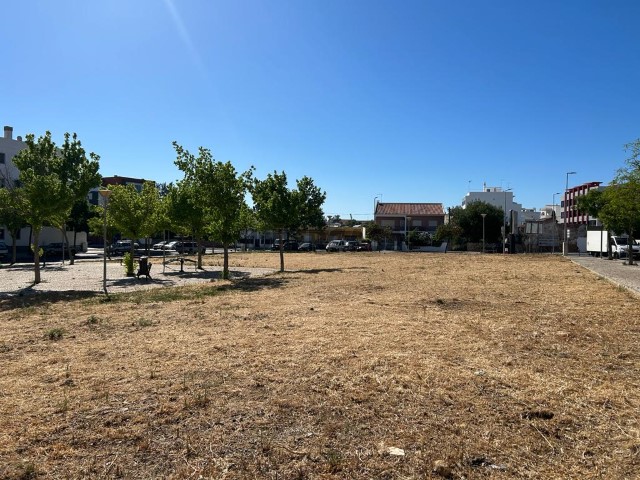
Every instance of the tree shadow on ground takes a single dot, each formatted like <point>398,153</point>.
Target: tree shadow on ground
<point>252,284</point>
<point>28,297</point>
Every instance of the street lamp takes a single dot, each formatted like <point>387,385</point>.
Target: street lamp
<point>483,216</point>
<point>504,222</point>
<point>375,204</point>
<point>105,195</point>
<point>565,243</point>
<point>555,224</point>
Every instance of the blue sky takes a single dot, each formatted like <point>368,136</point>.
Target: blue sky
<point>416,101</point>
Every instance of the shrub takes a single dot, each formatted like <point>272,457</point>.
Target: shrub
<point>128,264</point>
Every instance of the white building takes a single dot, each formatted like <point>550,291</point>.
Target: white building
<point>9,149</point>
<point>497,197</point>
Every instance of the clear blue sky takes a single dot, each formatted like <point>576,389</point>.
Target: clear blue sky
<point>415,100</point>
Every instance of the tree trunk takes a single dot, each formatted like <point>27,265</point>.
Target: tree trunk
<point>225,262</point>
<point>14,247</point>
<point>198,240</point>
<point>630,248</point>
<point>36,255</point>
<point>282,250</point>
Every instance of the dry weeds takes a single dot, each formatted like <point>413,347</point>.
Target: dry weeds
<point>352,365</point>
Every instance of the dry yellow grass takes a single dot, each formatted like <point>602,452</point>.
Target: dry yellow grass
<point>475,366</point>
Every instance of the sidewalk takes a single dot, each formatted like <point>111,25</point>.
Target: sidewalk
<point>87,276</point>
<point>615,271</point>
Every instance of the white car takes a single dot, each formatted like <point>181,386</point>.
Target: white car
<point>336,246</point>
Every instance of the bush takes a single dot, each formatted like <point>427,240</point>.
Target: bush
<point>128,264</point>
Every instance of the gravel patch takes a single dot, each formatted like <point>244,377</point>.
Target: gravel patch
<point>87,276</point>
<point>616,271</point>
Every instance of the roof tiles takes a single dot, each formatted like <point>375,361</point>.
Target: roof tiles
<point>417,209</point>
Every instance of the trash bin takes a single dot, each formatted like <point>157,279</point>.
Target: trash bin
<point>144,267</point>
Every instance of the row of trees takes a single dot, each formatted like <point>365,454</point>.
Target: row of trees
<point>52,181</point>
<point>208,202</point>
<point>618,205</point>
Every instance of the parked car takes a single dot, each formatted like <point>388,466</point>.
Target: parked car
<point>289,245</point>
<point>4,250</point>
<point>160,245</point>
<point>351,246</point>
<point>184,247</point>
<point>336,246</point>
<point>189,247</point>
<point>122,246</point>
<point>364,246</point>
<point>55,249</point>
<point>305,247</point>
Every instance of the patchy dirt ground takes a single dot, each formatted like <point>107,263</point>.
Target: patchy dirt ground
<point>354,365</point>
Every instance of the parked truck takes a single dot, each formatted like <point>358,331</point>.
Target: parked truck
<point>598,244</point>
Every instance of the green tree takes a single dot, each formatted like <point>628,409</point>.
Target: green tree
<point>135,214</point>
<point>286,211</point>
<point>12,212</point>
<point>470,221</point>
<point>377,233</point>
<point>44,189</point>
<point>248,222</point>
<point>186,213</point>
<point>78,174</point>
<point>618,205</point>
<point>220,189</point>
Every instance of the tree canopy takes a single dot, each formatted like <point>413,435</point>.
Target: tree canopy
<point>284,210</point>
<point>219,190</point>
<point>51,181</point>
<point>465,224</point>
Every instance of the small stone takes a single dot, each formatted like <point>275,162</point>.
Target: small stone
<point>441,468</point>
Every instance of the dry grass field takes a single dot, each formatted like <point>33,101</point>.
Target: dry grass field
<point>353,365</point>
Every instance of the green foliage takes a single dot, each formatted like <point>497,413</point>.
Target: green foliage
<point>52,180</point>
<point>55,334</point>
<point>469,219</point>
<point>286,211</point>
<point>465,224</point>
<point>12,211</point>
<point>127,261</point>
<point>419,239</point>
<point>216,193</point>
<point>376,232</point>
<point>448,232</point>
<point>135,214</point>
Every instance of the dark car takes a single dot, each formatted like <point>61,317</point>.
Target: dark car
<point>364,247</point>
<point>56,249</point>
<point>305,247</point>
<point>351,246</point>
<point>289,245</point>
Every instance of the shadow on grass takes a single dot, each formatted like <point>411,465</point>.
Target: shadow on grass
<point>28,297</point>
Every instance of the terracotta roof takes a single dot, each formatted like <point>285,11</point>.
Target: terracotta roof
<point>417,209</point>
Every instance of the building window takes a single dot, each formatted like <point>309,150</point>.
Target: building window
<point>2,158</point>
<point>388,223</point>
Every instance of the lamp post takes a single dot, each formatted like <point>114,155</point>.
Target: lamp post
<point>565,243</point>
<point>105,195</point>
<point>555,223</point>
<point>504,222</point>
<point>375,205</point>
<point>483,216</point>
